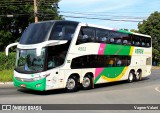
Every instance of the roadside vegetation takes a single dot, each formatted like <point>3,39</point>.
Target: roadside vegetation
<point>6,75</point>
<point>6,66</point>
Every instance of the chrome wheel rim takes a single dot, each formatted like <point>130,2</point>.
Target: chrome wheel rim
<point>130,77</point>
<point>138,76</point>
<point>86,82</point>
<point>71,83</point>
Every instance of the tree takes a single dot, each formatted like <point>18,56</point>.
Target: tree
<point>151,27</point>
<point>16,15</point>
<point>134,30</point>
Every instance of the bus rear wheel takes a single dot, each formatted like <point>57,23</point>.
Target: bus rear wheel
<point>72,84</point>
<point>87,82</point>
<point>130,77</point>
<point>138,75</point>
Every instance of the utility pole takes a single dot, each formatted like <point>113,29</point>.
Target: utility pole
<point>35,11</point>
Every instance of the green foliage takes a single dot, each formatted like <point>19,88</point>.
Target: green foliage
<point>134,30</point>
<point>151,26</point>
<point>156,56</point>
<point>6,75</point>
<point>7,62</point>
<point>7,65</point>
<point>11,28</point>
<point>5,38</point>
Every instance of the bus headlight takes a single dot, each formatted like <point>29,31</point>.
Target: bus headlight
<point>37,78</point>
<point>40,77</point>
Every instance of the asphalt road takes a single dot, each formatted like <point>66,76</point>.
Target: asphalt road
<point>146,91</point>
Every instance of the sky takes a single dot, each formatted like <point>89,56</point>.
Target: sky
<point>118,14</point>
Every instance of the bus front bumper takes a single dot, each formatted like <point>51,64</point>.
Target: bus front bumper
<point>38,85</point>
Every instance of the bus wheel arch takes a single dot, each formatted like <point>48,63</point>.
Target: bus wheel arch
<point>131,76</point>
<point>139,74</point>
<point>72,82</point>
<point>88,81</point>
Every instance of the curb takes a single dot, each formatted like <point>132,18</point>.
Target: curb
<point>9,83</point>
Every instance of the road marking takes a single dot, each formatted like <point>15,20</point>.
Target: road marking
<point>157,89</point>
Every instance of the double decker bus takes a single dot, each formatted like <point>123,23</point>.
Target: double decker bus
<point>67,54</point>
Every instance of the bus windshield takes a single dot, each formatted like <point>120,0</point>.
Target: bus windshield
<point>40,32</point>
<point>27,61</point>
<point>36,33</point>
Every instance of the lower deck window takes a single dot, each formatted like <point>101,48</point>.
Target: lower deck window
<point>99,61</point>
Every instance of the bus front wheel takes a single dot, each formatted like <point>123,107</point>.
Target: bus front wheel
<point>72,84</point>
<point>87,82</point>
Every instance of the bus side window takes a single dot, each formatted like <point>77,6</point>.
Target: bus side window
<point>101,36</point>
<point>126,39</point>
<point>119,41</point>
<point>112,40</point>
<point>148,42</point>
<point>68,32</point>
<point>143,44</point>
<point>136,41</point>
<point>86,34</point>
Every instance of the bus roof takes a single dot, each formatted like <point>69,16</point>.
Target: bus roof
<point>92,25</point>
<point>59,21</point>
<point>118,30</point>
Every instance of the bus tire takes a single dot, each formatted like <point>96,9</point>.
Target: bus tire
<point>131,77</point>
<point>138,75</point>
<point>72,84</point>
<point>87,82</point>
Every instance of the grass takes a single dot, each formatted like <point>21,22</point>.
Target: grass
<point>6,75</point>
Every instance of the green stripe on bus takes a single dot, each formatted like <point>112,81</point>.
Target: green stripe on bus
<point>31,85</point>
<point>112,72</point>
<point>112,49</point>
<point>126,32</point>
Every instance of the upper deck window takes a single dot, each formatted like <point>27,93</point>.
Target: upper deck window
<point>63,31</point>
<point>36,33</point>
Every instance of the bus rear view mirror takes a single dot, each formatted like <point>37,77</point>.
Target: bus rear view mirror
<point>9,46</point>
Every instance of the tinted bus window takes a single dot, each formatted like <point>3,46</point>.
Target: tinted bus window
<point>102,36</point>
<point>143,42</point>
<point>140,41</point>
<point>148,42</point>
<point>119,38</point>
<point>36,33</point>
<point>63,31</point>
<point>86,34</point>
<point>98,61</point>
<point>136,41</point>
